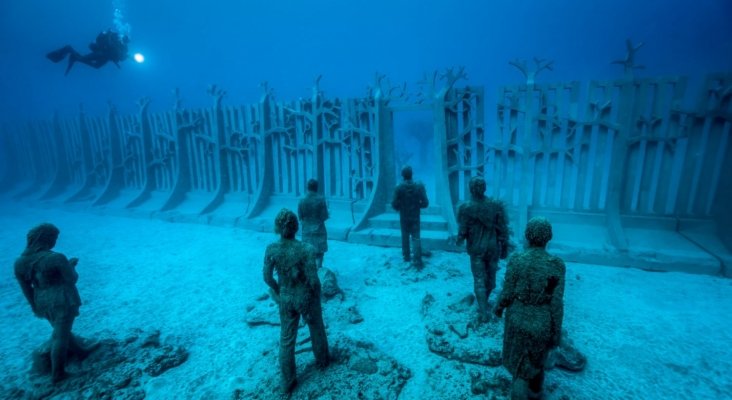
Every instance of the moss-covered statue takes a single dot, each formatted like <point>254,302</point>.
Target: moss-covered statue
<point>313,211</point>
<point>298,294</point>
<point>484,225</point>
<point>409,198</point>
<point>48,281</point>
<point>532,295</point>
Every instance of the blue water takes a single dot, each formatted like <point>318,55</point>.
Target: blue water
<point>189,45</point>
<point>238,44</point>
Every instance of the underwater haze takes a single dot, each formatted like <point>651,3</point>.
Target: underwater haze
<point>602,126</point>
<point>238,44</point>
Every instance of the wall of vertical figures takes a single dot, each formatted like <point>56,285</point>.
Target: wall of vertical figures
<point>617,148</point>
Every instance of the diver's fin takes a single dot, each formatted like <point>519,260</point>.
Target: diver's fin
<point>60,54</point>
<point>72,60</point>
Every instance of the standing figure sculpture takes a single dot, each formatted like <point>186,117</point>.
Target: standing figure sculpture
<point>313,211</point>
<point>48,281</point>
<point>484,225</point>
<point>297,291</point>
<point>409,198</point>
<point>533,296</point>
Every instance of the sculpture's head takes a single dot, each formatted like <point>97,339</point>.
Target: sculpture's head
<point>407,172</point>
<point>42,237</point>
<point>312,185</point>
<point>538,232</point>
<point>477,186</point>
<point>286,224</point>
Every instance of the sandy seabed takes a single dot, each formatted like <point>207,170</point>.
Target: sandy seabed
<point>646,335</point>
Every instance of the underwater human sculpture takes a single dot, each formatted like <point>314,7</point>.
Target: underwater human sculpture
<point>48,281</point>
<point>409,198</point>
<point>533,297</point>
<point>297,291</point>
<point>313,211</point>
<point>109,46</point>
<point>483,224</point>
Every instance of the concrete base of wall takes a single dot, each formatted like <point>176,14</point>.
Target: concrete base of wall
<point>655,244</point>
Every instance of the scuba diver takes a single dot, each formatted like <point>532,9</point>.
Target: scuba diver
<point>109,46</point>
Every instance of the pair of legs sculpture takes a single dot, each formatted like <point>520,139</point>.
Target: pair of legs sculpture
<point>484,267</point>
<point>290,318</point>
<point>411,239</point>
<point>65,345</point>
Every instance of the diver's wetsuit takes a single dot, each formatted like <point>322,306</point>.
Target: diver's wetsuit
<point>108,47</point>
